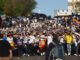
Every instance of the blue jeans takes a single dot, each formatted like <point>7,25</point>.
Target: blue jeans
<point>69,48</point>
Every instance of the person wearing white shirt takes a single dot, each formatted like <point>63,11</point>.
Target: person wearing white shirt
<point>78,46</point>
<point>26,39</point>
<point>31,44</point>
<point>32,39</point>
<point>73,28</point>
<point>49,39</point>
<point>10,39</point>
<point>26,42</point>
<point>74,39</point>
<point>77,33</point>
<point>36,39</point>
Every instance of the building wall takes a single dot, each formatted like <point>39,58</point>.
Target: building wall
<point>69,0</point>
<point>62,12</point>
<point>71,9</point>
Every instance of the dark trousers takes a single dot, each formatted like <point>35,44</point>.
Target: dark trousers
<point>27,48</point>
<point>78,48</point>
<point>20,50</point>
<point>31,49</point>
<point>49,48</point>
<point>64,47</point>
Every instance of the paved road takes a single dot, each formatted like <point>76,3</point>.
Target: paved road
<point>72,58</point>
<point>43,58</point>
<point>30,58</point>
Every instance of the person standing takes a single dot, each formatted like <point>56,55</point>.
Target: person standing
<point>10,40</point>
<point>5,50</point>
<point>31,43</point>
<point>20,46</point>
<point>69,40</point>
<point>50,44</point>
<point>49,38</point>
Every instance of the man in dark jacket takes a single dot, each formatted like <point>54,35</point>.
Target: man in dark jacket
<point>5,50</point>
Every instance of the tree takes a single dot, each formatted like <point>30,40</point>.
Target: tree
<point>77,7</point>
<point>2,2</point>
<point>17,7</point>
<point>31,6</point>
<point>9,8</point>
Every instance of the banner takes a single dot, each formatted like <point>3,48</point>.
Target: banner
<point>42,44</point>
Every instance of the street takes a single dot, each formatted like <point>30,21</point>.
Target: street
<point>43,58</point>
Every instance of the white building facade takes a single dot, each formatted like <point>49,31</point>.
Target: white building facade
<point>69,11</point>
<point>62,12</point>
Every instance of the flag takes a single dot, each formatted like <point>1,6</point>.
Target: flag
<point>12,45</point>
<point>74,20</point>
<point>42,44</point>
<point>78,22</point>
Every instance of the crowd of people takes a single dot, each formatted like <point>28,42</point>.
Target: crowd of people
<point>30,36</point>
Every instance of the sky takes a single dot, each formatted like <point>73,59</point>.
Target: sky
<point>48,6</point>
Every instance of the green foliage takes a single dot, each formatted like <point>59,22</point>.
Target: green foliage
<point>17,7</point>
<point>2,2</point>
<point>77,6</point>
